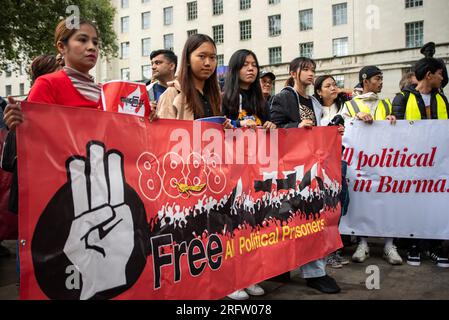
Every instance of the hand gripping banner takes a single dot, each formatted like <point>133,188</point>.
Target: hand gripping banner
<point>113,206</point>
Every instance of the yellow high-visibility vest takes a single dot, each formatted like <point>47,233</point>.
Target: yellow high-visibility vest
<point>412,109</point>
<point>383,109</point>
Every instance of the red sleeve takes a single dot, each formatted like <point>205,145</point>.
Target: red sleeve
<point>42,92</point>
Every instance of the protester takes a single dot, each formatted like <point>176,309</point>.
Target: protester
<point>328,94</point>
<point>423,101</point>
<point>333,100</point>
<point>266,82</point>
<point>245,105</point>
<point>243,101</point>
<point>428,50</point>
<point>163,65</point>
<point>71,86</point>
<point>293,108</point>
<point>196,93</point>
<point>368,107</point>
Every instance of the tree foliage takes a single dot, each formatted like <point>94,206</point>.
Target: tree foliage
<point>27,27</point>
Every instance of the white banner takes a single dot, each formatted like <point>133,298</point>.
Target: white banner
<point>398,179</point>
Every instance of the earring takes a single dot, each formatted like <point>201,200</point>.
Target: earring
<point>60,59</point>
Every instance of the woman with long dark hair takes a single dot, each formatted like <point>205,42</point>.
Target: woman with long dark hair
<point>196,93</point>
<point>245,105</point>
<point>71,86</point>
<point>243,101</point>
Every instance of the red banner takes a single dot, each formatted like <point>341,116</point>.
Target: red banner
<point>113,206</point>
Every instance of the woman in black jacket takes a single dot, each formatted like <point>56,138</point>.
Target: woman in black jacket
<point>294,108</point>
<point>243,101</point>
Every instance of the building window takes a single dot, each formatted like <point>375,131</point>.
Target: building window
<point>414,34</point>
<point>340,14</point>
<point>125,4</point>
<point>274,25</point>
<point>306,49</point>
<point>275,55</point>
<point>8,90</point>
<point>146,72</point>
<point>145,1</point>
<point>245,4</point>
<point>245,30</point>
<point>146,47</point>
<point>21,69</point>
<point>218,33</point>
<point>125,74</point>
<point>192,10</point>
<point>220,60</point>
<point>192,32</point>
<point>125,50</point>
<point>125,24</point>
<point>340,81</point>
<point>413,3</point>
<point>168,16</point>
<point>306,20</point>
<point>8,73</point>
<point>340,46</point>
<point>146,20</point>
<point>22,89</point>
<point>274,1</point>
<point>168,41</point>
<point>217,7</point>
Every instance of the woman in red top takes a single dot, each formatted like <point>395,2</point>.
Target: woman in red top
<point>71,86</point>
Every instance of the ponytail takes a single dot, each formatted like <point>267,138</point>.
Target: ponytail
<point>290,82</point>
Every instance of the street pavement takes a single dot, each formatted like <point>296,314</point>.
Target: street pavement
<point>404,282</point>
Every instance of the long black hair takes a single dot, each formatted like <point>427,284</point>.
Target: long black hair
<point>231,91</point>
<point>211,87</point>
<point>341,97</point>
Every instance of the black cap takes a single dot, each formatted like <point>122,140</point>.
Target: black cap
<point>269,74</point>
<point>428,50</point>
<point>368,72</point>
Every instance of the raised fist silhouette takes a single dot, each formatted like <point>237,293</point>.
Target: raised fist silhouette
<point>101,237</point>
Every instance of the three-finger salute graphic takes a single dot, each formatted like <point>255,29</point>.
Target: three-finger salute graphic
<point>103,233</point>
<point>101,237</point>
